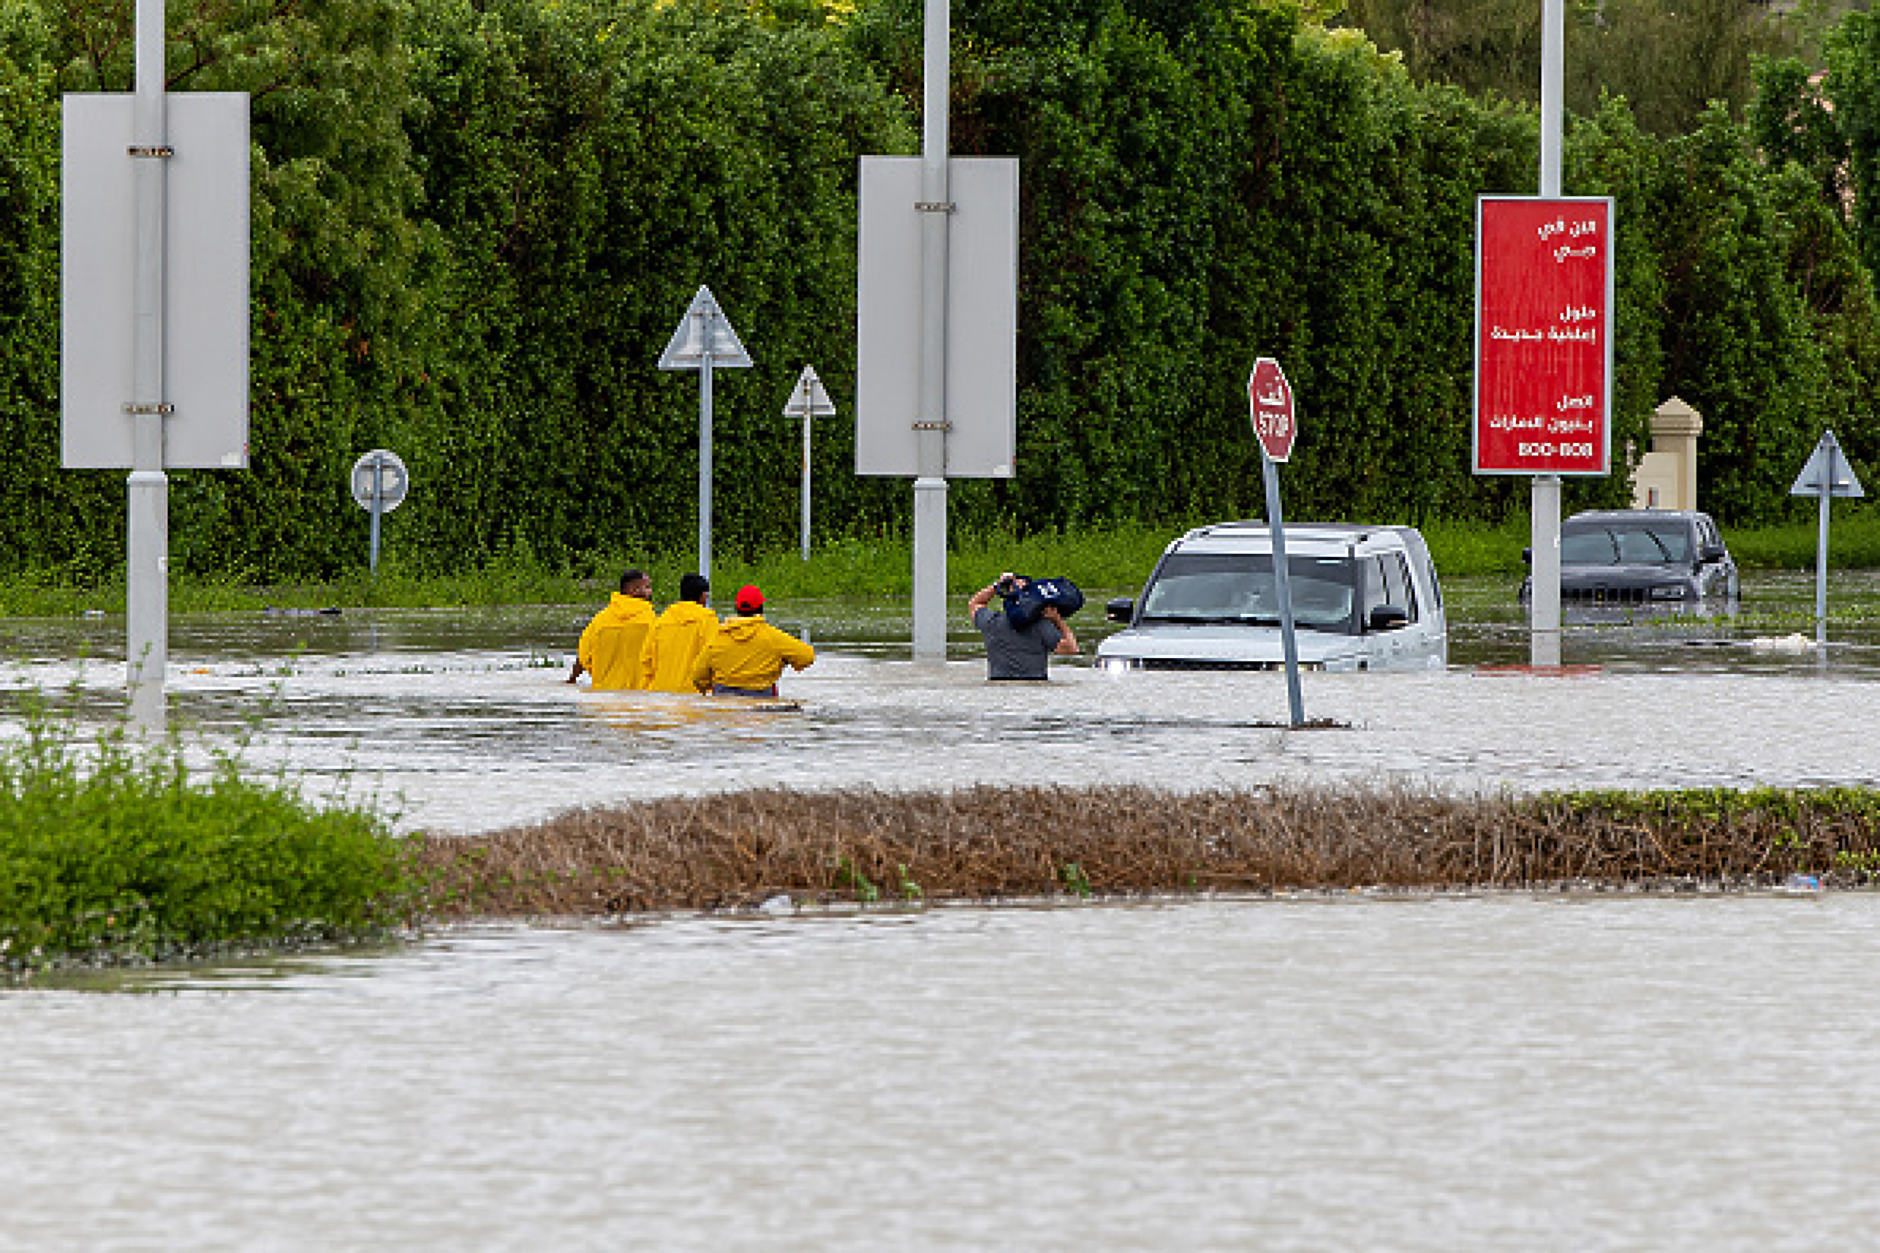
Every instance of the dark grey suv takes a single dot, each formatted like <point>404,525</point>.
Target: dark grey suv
<point>1657,558</point>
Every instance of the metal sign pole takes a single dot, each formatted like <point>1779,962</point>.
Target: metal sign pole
<point>806,422</point>
<point>147,602</point>
<point>1282,584</point>
<point>930,487</point>
<point>378,507</point>
<point>705,448</point>
<point>1825,475</point>
<point>703,339</point>
<point>1821,561</point>
<point>807,402</point>
<point>378,484</point>
<point>1544,523</point>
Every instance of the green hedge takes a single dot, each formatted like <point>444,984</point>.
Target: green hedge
<point>477,222</point>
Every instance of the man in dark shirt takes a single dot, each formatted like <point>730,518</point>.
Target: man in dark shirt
<point>1012,653</point>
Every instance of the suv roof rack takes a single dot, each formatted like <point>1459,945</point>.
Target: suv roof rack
<point>1363,531</point>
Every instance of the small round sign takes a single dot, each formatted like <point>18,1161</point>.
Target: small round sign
<point>1271,398</point>
<point>379,476</point>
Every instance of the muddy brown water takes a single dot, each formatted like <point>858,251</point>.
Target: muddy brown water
<point>1573,1072</point>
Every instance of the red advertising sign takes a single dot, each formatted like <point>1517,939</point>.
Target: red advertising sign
<point>1271,399</point>
<point>1543,335</point>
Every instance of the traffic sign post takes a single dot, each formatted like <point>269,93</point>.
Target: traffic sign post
<point>704,339</point>
<point>936,346</point>
<point>809,400</point>
<point>1270,399</point>
<point>154,312</point>
<point>1543,364</point>
<point>379,484</point>
<point>1826,476</point>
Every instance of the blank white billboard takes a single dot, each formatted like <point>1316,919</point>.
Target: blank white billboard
<point>982,318</point>
<point>205,312</point>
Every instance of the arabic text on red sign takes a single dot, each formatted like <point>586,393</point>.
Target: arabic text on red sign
<point>1543,326</point>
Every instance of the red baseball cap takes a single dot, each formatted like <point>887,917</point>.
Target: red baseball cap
<point>750,600</point>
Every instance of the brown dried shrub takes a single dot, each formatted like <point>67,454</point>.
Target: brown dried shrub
<point>738,849</point>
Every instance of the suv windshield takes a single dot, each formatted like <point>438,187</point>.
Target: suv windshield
<point>1624,544</point>
<point>1240,588</point>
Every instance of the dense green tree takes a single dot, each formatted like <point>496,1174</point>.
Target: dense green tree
<point>477,222</point>
<point>474,226</point>
<point>48,508</point>
<point>1853,85</point>
<point>332,250</point>
<point>593,168</point>
<point>1737,343</point>
<point>1668,59</point>
<point>1610,155</point>
<point>1790,120</point>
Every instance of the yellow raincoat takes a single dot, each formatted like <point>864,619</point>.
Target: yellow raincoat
<point>612,646</point>
<point>749,653</point>
<point>679,636</point>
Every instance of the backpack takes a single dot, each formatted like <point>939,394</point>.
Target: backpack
<point>1023,607</point>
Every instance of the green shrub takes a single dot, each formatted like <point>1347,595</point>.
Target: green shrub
<point>111,848</point>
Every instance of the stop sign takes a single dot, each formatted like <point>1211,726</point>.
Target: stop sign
<point>1272,400</point>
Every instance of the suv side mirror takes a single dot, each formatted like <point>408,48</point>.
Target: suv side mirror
<point>1122,609</point>
<point>1713,552</point>
<point>1388,618</point>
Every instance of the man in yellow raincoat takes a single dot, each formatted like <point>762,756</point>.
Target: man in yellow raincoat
<point>613,645</point>
<point>679,636</point>
<point>748,653</point>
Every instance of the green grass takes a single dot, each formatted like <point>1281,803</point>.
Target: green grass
<point>112,850</point>
<point>1118,556</point>
<point>1853,541</point>
<point>1461,549</point>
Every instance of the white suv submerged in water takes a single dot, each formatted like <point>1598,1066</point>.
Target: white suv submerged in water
<point>1363,598</point>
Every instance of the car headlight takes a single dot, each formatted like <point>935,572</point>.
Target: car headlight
<point>1115,665</point>
<point>1670,591</point>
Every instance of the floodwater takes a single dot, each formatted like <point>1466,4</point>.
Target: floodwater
<point>460,719</point>
<point>1448,1072</point>
<point>1442,1074</point>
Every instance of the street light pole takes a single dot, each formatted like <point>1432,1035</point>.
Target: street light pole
<point>1544,522</point>
<point>930,487</point>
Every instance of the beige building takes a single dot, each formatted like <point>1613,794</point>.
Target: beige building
<point>1666,477</point>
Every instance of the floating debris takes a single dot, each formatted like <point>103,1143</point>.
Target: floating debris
<point>1794,642</point>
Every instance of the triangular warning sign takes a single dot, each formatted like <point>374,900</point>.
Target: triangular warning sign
<point>1827,465</point>
<point>808,397</point>
<point>704,329</point>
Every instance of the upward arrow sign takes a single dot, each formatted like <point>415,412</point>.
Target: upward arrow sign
<point>704,329</point>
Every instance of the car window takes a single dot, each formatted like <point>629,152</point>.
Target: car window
<point>1670,543</point>
<point>1420,561</point>
<point>1398,590</point>
<point>1372,570</point>
<point>1588,548</point>
<point>1386,582</point>
<point>1638,546</point>
<point>1239,587</point>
